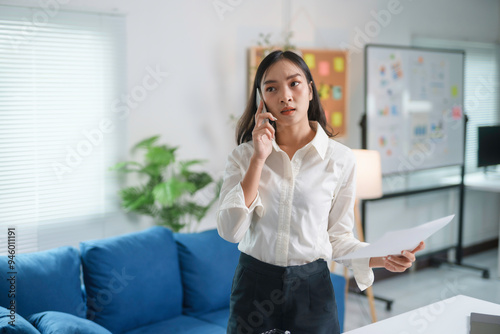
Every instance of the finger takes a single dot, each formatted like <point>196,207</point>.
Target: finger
<point>409,255</point>
<point>420,247</point>
<point>260,126</point>
<point>399,261</point>
<point>395,267</point>
<point>260,107</point>
<point>268,115</point>
<point>391,266</point>
<point>269,133</point>
<point>260,117</point>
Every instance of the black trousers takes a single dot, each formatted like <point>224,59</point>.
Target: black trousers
<point>299,299</point>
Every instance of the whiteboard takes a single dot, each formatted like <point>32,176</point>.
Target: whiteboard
<point>414,107</point>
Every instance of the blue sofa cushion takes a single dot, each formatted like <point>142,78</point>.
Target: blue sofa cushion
<point>207,265</point>
<point>339,290</point>
<point>52,322</point>
<point>132,280</point>
<point>22,326</point>
<point>180,325</point>
<point>45,281</point>
<point>219,317</point>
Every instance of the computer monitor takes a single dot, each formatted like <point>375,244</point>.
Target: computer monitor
<point>488,153</point>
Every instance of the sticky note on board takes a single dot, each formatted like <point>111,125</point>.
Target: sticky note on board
<point>336,119</point>
<point>338,64</point>
<point>310,60</point>
<point>394,110</point>
<point>456,112</point>
<point>324,68</point>
<point>324,91</point>
<point>454,90</point>
<point>337,92</point>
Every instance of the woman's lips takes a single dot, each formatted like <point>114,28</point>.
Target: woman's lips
<point>287,111</point>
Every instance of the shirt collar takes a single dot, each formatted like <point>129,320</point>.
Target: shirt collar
<point>319,142</point>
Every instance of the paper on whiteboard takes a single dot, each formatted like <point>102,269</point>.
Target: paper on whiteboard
<point>394,242</point>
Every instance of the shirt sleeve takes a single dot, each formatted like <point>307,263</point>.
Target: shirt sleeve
<point>233,216</point>
<point>341,223</point>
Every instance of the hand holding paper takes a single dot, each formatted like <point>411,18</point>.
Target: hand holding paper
<point>394,242</point>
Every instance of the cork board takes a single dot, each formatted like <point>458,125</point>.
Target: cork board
<point>329,71</point>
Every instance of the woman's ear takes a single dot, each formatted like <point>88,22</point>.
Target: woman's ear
<point>310,91</point>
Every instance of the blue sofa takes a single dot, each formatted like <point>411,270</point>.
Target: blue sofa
<point>151,281</point>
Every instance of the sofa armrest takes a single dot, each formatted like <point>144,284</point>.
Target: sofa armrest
<point>13,323</point>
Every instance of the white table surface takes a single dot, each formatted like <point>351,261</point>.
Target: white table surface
<point>447,316</point>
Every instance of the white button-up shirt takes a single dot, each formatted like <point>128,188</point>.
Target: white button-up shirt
<point>304,209</point>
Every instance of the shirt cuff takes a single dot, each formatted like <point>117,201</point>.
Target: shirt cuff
<point>236,199</point>
<point>363,274</point>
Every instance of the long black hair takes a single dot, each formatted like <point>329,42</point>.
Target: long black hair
<point>315,112</point>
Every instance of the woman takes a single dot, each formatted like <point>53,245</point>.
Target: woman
<point>287,199</point>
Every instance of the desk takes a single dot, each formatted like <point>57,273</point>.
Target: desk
<point>491,183</point>
<point>476,181</point>
<point>481,182</point>
<point>447,316</point>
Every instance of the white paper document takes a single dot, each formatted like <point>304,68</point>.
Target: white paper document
<point>394,242</point>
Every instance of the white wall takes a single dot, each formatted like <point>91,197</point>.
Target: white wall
<point>205,56</point>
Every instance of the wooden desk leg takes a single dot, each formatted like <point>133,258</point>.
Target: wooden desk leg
<point>346,275</point>
<point>371,302</point>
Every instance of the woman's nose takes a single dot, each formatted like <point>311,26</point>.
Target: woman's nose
<point>286,97</point>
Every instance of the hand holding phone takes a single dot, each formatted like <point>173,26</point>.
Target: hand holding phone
<point>263,133</point>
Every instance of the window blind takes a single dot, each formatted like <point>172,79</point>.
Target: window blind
<point>481,89</point>
<point>61,75</point>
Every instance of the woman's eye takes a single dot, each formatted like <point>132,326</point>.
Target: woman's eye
<point>269,89</point>
<point>295,83</point>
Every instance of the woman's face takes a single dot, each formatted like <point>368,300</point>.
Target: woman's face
<point>286,92</point>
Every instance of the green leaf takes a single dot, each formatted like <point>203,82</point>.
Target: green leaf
<point>146,143</point>
<point>167,192</point>
<point>171,217</point>
<point>148,209</point>
<point>121,166</point>
<point>199,180</point>
<point>196,210</point>
<point>172,213</point>
<point>160,155</point>
<point>153,170</point>
<point>134,198</point>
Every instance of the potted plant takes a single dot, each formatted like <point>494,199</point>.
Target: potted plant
<point>168,193</point>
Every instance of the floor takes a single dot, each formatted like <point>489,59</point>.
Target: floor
<point>426,286</point>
